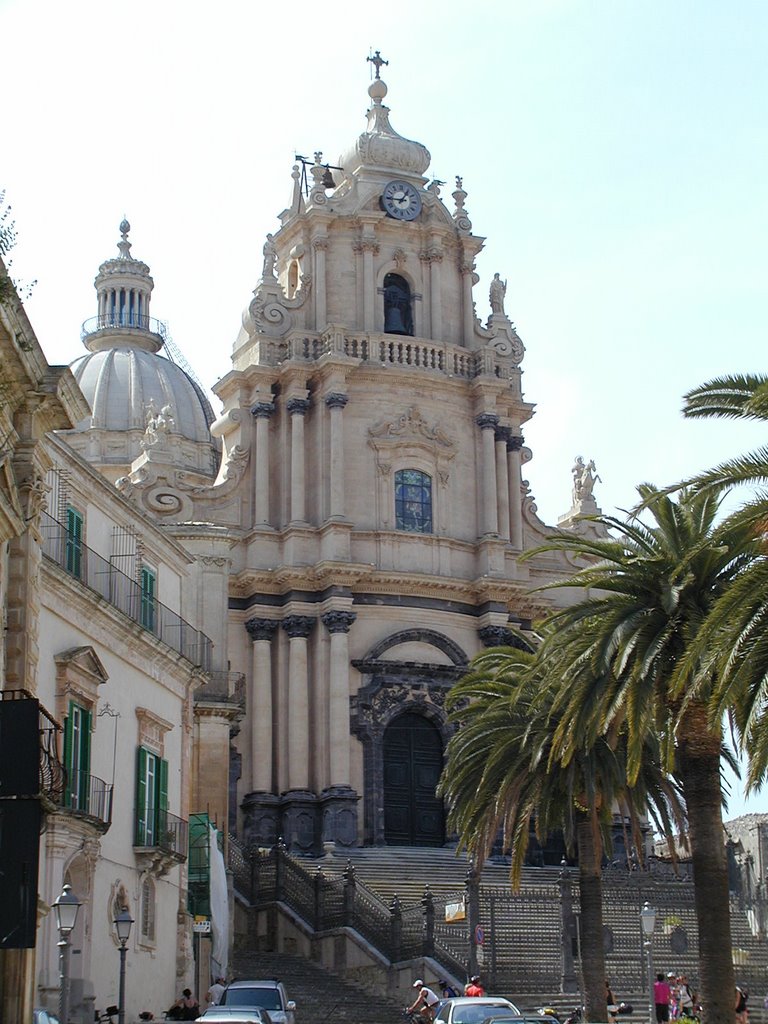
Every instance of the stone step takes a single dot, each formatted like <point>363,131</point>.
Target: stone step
<point>321,997</point>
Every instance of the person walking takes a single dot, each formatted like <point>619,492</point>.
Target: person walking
<point>661,997</point>
<point>474,988</point>
<point>216,991</point>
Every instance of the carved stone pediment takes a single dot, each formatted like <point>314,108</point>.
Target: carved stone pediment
<point>79,673</point>
<point>410,426</point>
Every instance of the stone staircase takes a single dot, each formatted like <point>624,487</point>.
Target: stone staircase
<point>321,997</point>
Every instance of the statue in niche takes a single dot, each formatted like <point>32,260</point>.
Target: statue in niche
<point>497,294</point>
<point>270,257</point>
<point>584,479</point>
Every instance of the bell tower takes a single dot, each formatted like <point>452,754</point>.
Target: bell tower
<point>389,510</point>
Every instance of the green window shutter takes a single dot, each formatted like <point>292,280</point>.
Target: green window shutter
<point>162,797</point>
<point>68,757</point>
<point>141,797</point>
<point>85,759</point>
<point>148,584</point>
<point>74,543</point>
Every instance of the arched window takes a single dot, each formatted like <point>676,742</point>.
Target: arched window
<point>398,313</point>
<point>413,501</point>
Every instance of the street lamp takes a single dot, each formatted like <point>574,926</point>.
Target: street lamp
<point>65,907</point>
<point>648,921</point>
<point>123,923</point>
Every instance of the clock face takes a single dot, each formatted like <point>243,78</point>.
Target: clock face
<point>401,200</point>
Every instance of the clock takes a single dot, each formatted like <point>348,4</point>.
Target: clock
<point>401,201</point>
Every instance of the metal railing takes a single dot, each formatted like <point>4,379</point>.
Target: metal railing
<point>326,902</point>
<point>88,796</point>
<point>157,829</point>
<point>123,593</point>
<point>222,688</point>
<point>123,320</point>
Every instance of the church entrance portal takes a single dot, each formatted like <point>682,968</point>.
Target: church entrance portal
<point>413,760</point>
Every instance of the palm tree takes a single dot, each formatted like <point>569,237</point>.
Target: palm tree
<point>501,774</point>
<point>649,590</point>
<point>736,632</point>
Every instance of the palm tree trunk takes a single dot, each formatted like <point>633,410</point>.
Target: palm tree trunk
<point>591,899</point>
<point>699,760</point>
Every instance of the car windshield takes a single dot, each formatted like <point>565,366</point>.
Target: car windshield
<point>268,998</point>
<point>472,1013</point>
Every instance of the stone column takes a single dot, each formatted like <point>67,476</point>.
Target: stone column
<point>514,444</point>
<point>335,403</point>
<point>298,628</point>
<point>338,624</point>
<point>502,482</point>
<point>261,632</point>
<point>297,408</point>
<point>490,519</point>
<point>319,245</point>
<point>339,801</point>
<point>262,411</point>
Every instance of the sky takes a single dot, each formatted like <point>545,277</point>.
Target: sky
<point>614,154</point>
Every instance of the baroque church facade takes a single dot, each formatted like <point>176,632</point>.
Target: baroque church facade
<point>292,586</point>
<point>370,510</point>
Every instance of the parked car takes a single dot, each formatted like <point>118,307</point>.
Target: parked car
<point>235,1015</point>
<point>266,995</point>
<point>474,1009</point>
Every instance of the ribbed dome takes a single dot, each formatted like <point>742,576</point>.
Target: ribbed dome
<point>119,384</point>
<point>130,386</point>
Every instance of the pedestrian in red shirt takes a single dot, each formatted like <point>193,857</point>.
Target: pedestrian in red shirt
<point>474,988</point>
<point>661,996</point>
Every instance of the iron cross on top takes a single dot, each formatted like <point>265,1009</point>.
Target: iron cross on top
<point>377,60</point>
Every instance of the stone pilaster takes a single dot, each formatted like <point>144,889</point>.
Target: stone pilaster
<point>297,410</point>
<point>335,403</point>
<point>514,445</point>
<point>261,632</point>
<point>502,482</point>
<point>262,412</point>
<point>487,422</point>
<point>298,628</point>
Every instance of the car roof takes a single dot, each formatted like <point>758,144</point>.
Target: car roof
<point>479,1000</point>
<point>261,982</point>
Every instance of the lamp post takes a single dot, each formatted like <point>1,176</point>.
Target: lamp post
<point>123,923</point>
<point>65,907</point>
<point>648,921</point>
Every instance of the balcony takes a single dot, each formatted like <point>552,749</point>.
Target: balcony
<point>123,320</point>
<point>160,840</point>
<point>123,593</point>
<point>33,769</point>
<point>88,797</point>
<point>222,688</point>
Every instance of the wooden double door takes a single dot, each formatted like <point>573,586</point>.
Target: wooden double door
<point>413,761</point>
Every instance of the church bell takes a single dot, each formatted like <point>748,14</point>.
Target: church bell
<point>393,321</point>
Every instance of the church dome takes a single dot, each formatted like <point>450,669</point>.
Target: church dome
<point>127,381</point>
<point>121,383</point>
<point>380,147</point>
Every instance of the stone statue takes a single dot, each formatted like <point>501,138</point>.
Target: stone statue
<point>584,479</point>
<point>270,257</point>
<point>158,424</point>
<point>497,294</point>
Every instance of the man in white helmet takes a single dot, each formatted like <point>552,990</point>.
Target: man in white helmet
<point>425,1002</point>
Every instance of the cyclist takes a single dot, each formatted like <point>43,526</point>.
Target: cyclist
<point>425,1002</point>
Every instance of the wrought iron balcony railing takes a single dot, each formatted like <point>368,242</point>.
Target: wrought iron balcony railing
<point>157,829</point>
<point>117,320</point>
<point>89,797</point>
<point>123,593</point>
<point>222,688</point>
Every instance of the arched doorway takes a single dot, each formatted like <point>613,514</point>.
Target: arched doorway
<point>413,760</point>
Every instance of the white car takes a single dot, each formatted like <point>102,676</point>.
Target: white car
<point>234,1015</point>
<point>474,1009</point>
